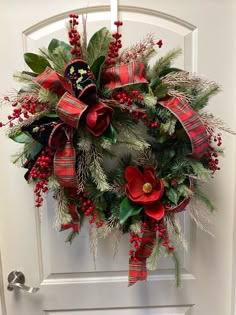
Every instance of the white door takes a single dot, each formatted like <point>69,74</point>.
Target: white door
<point>69,284</point>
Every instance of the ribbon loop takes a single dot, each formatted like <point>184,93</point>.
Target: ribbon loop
<point>70,109</point>
<point>82,80</point>
<point>127,74</point>
<point>191,123</point>
<point>51,80</point>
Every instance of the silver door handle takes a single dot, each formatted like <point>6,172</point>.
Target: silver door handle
<point>16,279</point>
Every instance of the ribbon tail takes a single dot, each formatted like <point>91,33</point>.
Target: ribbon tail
<point>137,264</point>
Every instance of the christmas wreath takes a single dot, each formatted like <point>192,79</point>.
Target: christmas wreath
<point>122,142</point>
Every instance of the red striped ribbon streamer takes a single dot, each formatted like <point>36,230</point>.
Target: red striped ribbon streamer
<point>127,74</point>
<point>137,267</point>
<point>65,157</point>
<point>191,123</point>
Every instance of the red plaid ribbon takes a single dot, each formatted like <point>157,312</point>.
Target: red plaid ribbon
<point>137,267</point>
<point>120,76</point>
<point>191,124</point>
<point>70,109</point>
<point>65,157</point>
<point>51,80</point>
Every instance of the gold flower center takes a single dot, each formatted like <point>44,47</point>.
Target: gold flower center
<point>147,188</point>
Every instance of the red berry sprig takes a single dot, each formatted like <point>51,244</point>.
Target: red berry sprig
<point>211,154</point>
<point>74,36</point>
<point>114,47</point>
<point>135,241</point>
<point>88,207</point>
<point>41,172</point>
<point>162,234</point>
<point>23,108</point>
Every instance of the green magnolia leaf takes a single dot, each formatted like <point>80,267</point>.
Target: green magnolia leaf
<point>96,68</point>
<point>21,138</point>
<point>173,195</point>
<point>55,44</point>
<point>98,44</point>
<point>36,62</point>
<point>128,209</point>
<point>110,134</point>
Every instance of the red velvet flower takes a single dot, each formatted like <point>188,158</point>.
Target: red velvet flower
<point>145,188</point>
<point>98,118</point>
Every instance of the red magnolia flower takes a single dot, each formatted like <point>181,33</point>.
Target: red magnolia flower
<point>98,118</point>
<point>145,188</point>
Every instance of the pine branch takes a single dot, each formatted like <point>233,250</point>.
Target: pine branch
<point>176,261</point>
<point>199,212</point>
<point>153,259</point>
<point>23,78</point>
<point>163,63</point>
<point>203,97</point>
<point>93,241</point>
<point>213,122</point>
<point>97,171</point>
<point>174,229</point>
<point>84,37</point>
<point>142,50</point>
<point>46,96</point>
<point>62,215</point>
<point>83,162</point>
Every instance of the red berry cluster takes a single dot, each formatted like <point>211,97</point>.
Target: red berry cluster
<point>114,47</point>
<point>135,240</point>
<point>127,98</point>
<point>162,234</point>
<point>142,115</point>
<point>88,207</point>
<point>41,172</point>
<point>24,107</point>
<point>74,36</point>
<point>211,155</point>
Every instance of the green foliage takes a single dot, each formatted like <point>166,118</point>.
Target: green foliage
<point>36,63</point>
<point>46,96</point>
<point>96,68</point>
<point>153,259</point>
<point>72,235</point>
<point>61,49</point>
<point>176,261</point>
<point>203,97</point>
<point>169,126</point>
<point>128,209</point>
<point>21,137</point>
<point>110,134</point>
<point>173,195</point>
<point>98,45</point>
<point>199,194</point>
<point>163,63</point>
